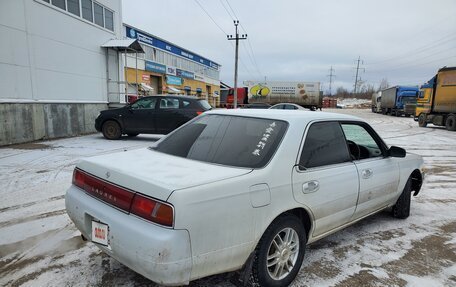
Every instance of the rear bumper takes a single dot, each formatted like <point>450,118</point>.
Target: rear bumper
<point>163,255</point>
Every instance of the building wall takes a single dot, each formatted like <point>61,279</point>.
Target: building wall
<point>164,59</point>
<point>53,58</point>
<point>193,84</point>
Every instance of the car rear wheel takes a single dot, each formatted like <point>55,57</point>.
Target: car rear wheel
<point>422,120</point>
<point>450,123</point>
<point>402,207</point>
<point>111,130</point>
<point>279,254</point>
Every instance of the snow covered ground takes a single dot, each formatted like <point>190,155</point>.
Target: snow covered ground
<point>39,246</point>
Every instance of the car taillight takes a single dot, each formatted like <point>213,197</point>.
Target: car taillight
<point>152,210</point>
<point>110,193</point>
<point>199,112</point>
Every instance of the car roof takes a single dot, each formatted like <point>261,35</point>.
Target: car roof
<point>175,96</point>
<point>285,115</point>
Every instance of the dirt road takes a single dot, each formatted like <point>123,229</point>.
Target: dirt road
<point>39,246</point>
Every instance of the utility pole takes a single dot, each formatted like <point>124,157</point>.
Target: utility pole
<point>357,73</point>
<point>237,38</point>
<point>331,76</point>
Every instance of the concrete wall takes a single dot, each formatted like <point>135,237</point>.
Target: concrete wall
<point>53,71</point>
<point>27,122</point>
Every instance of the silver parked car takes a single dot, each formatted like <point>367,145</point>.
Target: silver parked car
<point>239,189</point>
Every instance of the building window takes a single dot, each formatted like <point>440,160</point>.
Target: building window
<point>87,10</point>
<point>91,11</point>
<point>98,14</point>
<point>73,7</point>
<point>59,3</point>
<point>109,20</point>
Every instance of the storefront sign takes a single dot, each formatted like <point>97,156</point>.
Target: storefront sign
<point>155,67</point>
<point>171,70</point>
<point>171,80</point>
<point>160,44</point>
<point>146,78</point>
<point>199,78</point>
<point>185,74</point>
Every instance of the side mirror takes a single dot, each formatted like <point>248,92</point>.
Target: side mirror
<point>395,151</point>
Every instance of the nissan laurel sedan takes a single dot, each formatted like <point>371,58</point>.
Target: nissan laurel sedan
<point>159,114</point>
<point>239,190</point>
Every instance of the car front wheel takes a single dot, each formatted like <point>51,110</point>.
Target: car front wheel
<point>279,254</point>
<point>402,207</point>
<point>111,130</point>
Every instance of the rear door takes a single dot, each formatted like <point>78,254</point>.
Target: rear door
<point>378,175</point>
<point>325,180</point>
<point>169,115</point>
<point>140,117</point>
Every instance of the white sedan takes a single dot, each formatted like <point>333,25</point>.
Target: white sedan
<point>239,190</point>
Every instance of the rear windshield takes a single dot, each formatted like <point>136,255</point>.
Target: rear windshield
<point>227,140</point>
<point>205,104</point>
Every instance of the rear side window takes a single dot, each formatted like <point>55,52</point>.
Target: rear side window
<point>169,103</point>
<point>227,140</point>
<point>324,145</point>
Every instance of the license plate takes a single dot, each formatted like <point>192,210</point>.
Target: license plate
<point>100,233</point>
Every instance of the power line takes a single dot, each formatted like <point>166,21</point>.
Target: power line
<point>221,29</point>
<point>207,13</point>
<point>229,14</point>
<point>419,49</point>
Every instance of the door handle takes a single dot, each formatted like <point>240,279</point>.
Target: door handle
<point>310,186</point>
<point>367,173</point>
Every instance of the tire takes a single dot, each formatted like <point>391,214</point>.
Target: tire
<point>402,207</point>
<point>422,120</point>
<point>450,122</point>
<point>133,135</point>
<point>111,130</point>
<point>272,242</point>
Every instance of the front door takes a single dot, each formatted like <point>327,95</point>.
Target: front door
<point>378,175</point>
<point>325,180</point>
<point>140,117</point>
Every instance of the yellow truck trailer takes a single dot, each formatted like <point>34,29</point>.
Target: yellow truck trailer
<point>436,102</point>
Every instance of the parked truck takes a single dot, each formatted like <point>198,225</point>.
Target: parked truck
<point>437,100</point>
<point>399,100</point>
<point>376,102</point>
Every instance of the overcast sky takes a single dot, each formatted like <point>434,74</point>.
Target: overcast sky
<point>405,41</point>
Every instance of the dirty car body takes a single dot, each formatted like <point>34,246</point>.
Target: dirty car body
<point>239,189</point>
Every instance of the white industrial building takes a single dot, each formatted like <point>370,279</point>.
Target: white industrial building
<point>54,72</point>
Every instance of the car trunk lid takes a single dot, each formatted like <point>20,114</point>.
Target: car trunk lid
<point>155,174</point>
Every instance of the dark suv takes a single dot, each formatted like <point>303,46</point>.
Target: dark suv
<point>149,115</point>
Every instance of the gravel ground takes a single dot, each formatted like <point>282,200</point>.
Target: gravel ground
<point>39,246</point>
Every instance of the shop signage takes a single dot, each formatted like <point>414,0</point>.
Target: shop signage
<point>199,78</point>
<point>172,80</point>
<point>155,67</point>
<point>146,78</point>
<point>160,44</point>
<point>171,70</point>
<point>185,74</point>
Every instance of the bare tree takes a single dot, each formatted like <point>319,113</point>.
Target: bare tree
<point>383,84</point>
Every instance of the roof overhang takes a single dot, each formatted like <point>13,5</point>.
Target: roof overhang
<point>146,87</point>
<point>124,45</point>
